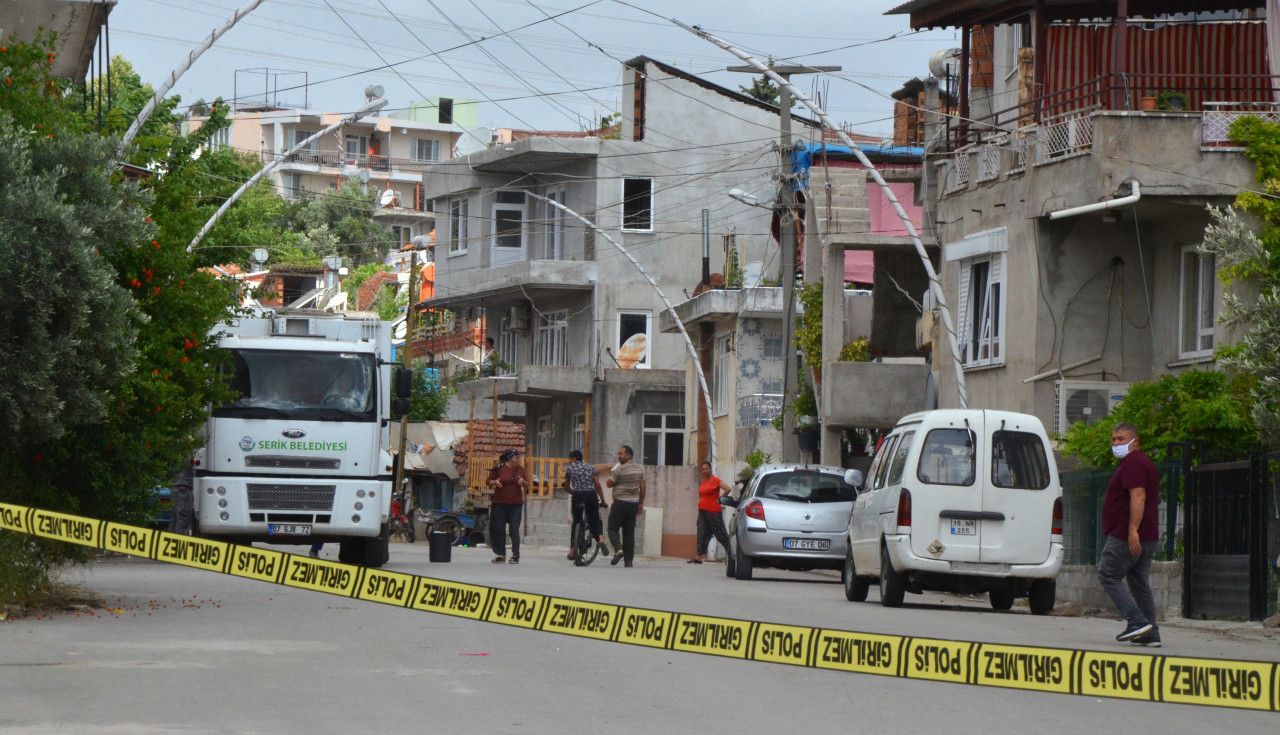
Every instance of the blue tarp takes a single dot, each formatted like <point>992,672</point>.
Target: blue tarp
<point>802,157</point>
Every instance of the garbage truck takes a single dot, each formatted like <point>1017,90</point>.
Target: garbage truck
<point>302,453</point>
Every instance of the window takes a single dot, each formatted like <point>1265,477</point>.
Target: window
<point>773,347</point>
<point>663,439</point>
<point>426,149</point>
<point>508,223</point>
<point>457,226</point>
<point>444,106</point>
<point>508,346</point>
<point>579,439</point>
<point>301,135</point>
<point>402,233</point>
<point>218,140</point>
<point>542,440</point>
<point>356,146</point>
<point>552,344</point>
<point>721,372</point>
<point>632,349</point>
<point>982,310</point>
<point>637,204</point>
<point>900,458</point>
<point>1018,461</point>
<point>877,461</point>
<point>947,457</point>
<point>882,471</point>
<point>292,186</point>
<point>554,226</point>
<point>805,487</point>
<point>1197,302</point>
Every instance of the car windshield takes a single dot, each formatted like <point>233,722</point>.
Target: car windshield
<point>324,386</point>
<point>806,487</point>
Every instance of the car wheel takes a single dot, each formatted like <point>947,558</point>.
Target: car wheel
<point>1001,599</point>
<point>730,569</point>
<point>741,563</point>
<point>1042,596</point>
<point>855,587</point>
<point>893,586</point>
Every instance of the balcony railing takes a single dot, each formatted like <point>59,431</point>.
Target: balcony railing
<point>758,409</point>
<point>335,159</point>
<point>545,475</point>
<point>1216,122</point>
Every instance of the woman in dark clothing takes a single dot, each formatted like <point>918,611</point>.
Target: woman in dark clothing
<point>506,507</point>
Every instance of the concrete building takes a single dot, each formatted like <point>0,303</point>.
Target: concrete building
<point>1058,309</point>
<point>575,321</point>
<point>386,153</point>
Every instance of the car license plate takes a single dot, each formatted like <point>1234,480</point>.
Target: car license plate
<point>288,529</point>
<point>807,544</point>
<point>964,528</point>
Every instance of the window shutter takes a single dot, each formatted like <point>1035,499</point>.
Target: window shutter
<point>964,323</point>
<point>996,281</point>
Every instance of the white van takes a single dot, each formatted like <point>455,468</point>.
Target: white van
<point>959,501</point>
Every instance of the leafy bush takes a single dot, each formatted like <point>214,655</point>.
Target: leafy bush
<point>1206,406</point>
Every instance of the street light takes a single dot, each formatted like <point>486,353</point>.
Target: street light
<point>751,200</point>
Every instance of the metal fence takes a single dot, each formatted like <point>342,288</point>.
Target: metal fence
<point>1082,494</point>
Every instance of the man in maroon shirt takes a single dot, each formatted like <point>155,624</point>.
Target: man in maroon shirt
<point>506,507</point>
<point>1130,520</point>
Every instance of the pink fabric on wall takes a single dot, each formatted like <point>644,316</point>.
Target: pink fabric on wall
<point>859,265</point>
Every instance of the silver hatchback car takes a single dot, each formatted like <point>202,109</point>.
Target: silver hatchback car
<point>791,517</point>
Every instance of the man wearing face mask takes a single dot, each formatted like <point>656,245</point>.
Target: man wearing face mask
<point>1130,520</point>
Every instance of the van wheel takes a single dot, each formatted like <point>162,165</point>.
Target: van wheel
<point>893,586</point>
<point>1001,599</point>
<point>1042,596</point>
<point>855,587</point>
<point>741,563</point>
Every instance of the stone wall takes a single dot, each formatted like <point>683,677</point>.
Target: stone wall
<point>1078,583</point>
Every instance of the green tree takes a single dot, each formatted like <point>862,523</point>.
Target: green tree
<point>430,397</point>
<point>1207,406</point>
<point>340,222</point>
<point>762,88</point>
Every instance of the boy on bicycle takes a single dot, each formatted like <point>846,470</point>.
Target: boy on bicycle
<point>587,499</point>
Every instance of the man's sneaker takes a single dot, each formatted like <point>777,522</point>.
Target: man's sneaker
<point>1149,640</point>
<point>1132,631</point>
<point>616,558</point>
<point>314,554</point>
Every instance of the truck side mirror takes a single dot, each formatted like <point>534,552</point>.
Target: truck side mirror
<point>403,380</point>
<point>399,408</point>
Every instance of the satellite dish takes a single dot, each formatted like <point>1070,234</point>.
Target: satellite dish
<point>474,140</point>
<point>374,91</point>
<point>260,255</point>
<point>388,197</point>
<point>944,63</point>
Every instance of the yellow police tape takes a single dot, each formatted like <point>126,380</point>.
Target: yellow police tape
<point>1220,683</point>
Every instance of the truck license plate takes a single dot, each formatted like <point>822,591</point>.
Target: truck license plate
<point>288,529</point>
<point>964,528</point>
<point>807,544</point>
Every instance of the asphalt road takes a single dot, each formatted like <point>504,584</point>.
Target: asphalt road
<point>191,652</point>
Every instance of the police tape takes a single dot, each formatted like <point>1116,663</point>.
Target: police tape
<point>1139,676</point>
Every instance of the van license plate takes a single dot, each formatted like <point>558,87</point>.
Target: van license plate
<point>964,528</point>
<point>807,544</point>
<point>288,529</point>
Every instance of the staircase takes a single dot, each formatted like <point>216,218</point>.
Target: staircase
<point>840,195</point>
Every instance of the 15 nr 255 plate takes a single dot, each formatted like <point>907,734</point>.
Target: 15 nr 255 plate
<point>288,529</point>
<point>807,544</point>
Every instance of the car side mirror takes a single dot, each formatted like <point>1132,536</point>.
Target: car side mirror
<point>854,478</point>
<point>729,501</point>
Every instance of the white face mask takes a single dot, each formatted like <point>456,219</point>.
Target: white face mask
<point>1121,450</point>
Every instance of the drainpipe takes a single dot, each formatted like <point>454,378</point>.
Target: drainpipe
<point>1099,206</point>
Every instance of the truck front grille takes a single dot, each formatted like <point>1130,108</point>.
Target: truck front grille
<point>291,497</point>
<point>294,463</point>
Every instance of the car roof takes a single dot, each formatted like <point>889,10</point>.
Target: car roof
<point>779,467</point>
<point>1021,420</point>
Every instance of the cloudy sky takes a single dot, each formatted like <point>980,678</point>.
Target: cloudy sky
<point>558,74</point>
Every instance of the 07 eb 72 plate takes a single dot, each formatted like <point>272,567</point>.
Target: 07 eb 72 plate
<point>288,529</point>
<point>807,544</point>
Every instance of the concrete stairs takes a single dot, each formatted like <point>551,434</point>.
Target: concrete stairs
<point>847,211</point>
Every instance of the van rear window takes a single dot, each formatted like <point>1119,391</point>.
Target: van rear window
<point>1018,461</point>
<point>947,458</point>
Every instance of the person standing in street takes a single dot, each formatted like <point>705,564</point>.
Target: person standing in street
<point>586,497</point>
<point>1130,521</point>
<point>183,501</point>
<point>710,521</point>
<point>627,482</point>
<point>506,508</point>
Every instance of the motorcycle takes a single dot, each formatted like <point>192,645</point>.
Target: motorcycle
<point>400,527</point>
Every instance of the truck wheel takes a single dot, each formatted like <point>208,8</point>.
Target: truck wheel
<point>377,551</point>
<point>855,587</point>
<point>1001,599</point>
<point>349,552</point>
<point>1042,596</point>
<point>893,586</point>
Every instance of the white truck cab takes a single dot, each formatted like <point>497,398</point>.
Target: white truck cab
<point>961,501</point>
<point>302,455</point>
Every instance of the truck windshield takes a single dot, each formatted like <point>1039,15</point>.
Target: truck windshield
<point>324,386</point>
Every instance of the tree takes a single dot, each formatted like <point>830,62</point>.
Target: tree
<point>430,398</point>
<point>762,88</point>
<point>340,222</point>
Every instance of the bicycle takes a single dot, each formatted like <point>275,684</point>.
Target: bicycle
<point>583,543</point>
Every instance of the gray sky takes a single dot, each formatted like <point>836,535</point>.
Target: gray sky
<point>309,36</point>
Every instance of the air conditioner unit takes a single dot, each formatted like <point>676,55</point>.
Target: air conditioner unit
<point>1087,400</point>
<point>518,318</point>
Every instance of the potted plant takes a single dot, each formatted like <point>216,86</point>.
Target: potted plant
<point>1172,100</point>
<point>1148,102</point>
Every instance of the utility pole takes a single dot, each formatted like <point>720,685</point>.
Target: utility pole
<point>786,209</point>
<point>406,360</point>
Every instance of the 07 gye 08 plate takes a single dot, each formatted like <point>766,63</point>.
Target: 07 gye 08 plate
<point>807,544</point>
